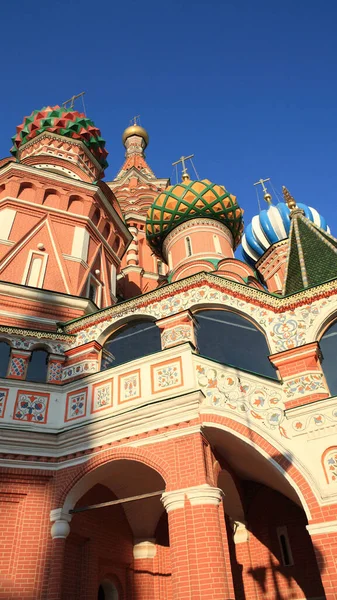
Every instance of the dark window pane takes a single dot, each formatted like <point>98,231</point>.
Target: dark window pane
<point>328,345</point>
<point>228,338</point>
<point>4,358</point>
<point>131,342</point>
<point>38,366</point>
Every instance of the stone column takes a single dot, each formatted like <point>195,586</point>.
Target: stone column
<point>196,543</point>
<point>243,558</point>
<point>144,552</point>
<point>301,371</point>
<point>177,329</point>
<point>324,539</point>
<point>59,532</point>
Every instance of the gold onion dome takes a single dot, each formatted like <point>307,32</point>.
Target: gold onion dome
<point>135,130</point>
<point>190,200</point>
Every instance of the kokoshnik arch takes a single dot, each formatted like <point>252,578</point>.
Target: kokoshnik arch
<point>146,368</point>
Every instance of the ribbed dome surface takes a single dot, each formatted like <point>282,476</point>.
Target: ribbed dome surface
<point>62,121</point>
<point>273,225</point>
<point>189,200</point>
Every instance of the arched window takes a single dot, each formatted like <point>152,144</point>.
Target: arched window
<point>131,341</point>
<point>188,246</point>
<point>217,245</point>
<point>5,352</point>
<point>328,345</point>
<point>38,366</point>
<point>231,339</point>
<point>106,231</point>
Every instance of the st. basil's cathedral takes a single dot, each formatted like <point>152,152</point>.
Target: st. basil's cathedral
<point>167,411</point>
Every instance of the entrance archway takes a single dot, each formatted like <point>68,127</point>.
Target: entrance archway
<point>270,550</point>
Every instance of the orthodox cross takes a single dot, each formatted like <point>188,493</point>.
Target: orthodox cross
<point>266,194</point>
<point>181,160</point>
<point>71,101</point>
<point>135,120</point>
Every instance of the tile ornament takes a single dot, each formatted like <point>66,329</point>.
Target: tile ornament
<point>101,396</point>
<point>175,335</point>
<point>3,401</point>
<point>31,407</point>
<point>315,422</point>
<point>18,367</point>
<point>329,461</point>
<point>55,371</point>
<point>129,386</point>
<point>166,375</point>
<point>76,405</point>
<point>236,394</point>
<point>82,368</point>
<point>304,385</point>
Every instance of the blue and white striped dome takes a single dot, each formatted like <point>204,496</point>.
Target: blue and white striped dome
<point>273,225</point>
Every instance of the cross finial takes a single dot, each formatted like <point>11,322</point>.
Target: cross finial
<point>71,101</point>
<point>267,196</point>
<point>291,203</point>
<point>182,160</point>
<point>135,120</point>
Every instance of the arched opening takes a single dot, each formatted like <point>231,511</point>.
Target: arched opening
<point>76,204</point>
<point>107,591</point>
<point>231,339</point>
<point>106,231</point>
<point>116,244</point>
<point>5,352</point>
<point>132,340</point>
<point>51,198</point>
<point>112,533</point>
<point>26,191</point>
<point>270,548</point>
<point>38,366</point>
<point>96,216</point>
<point>328,345</point>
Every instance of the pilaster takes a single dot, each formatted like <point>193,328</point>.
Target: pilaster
<point>301,371</point>
<point>178,329</point>
<point>18,364</point>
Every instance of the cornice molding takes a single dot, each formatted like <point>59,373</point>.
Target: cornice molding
<point>251,295</point>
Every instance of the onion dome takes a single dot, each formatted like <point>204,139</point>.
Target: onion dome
<point>65,122</point>
<point>273,225</point>
<point>189,200</point>
<point>135,130</point>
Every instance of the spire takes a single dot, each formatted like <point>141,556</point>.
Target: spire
<point>312,253</point>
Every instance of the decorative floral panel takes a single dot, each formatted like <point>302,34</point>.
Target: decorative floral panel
<point>76,405</point>
<point>176,335</point>
<point>166,375</point>
<point>304,385</point>
<point>101,396</point>
<point>18,367</point>
<point>129,386</point>
<point>31,407</point>
<point>258,403</point>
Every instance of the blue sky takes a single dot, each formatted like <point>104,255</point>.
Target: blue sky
<point>248,86</point>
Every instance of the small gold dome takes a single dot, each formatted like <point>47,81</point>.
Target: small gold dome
<point>135,130</point>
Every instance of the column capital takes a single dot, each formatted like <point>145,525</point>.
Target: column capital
<point>60,519</point>
<point>144,548</point>
<point>197,495</point>
<point>240,532</point>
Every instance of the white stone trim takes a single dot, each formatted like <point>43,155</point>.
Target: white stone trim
<point>60,519</point>
<point>198,495</point>
<point>144,549</point>
<point>319,528</point>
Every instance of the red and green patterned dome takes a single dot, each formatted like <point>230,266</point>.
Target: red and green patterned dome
<point>62,121</point>
<point>189,200</point>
